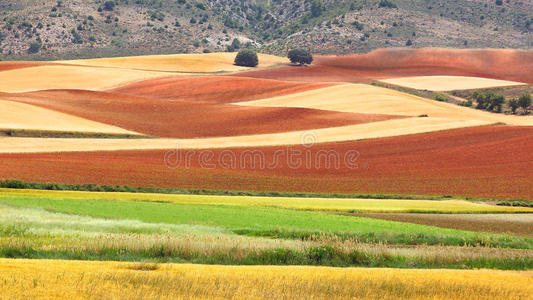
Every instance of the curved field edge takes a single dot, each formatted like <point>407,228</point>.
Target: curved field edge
<point>74,279</point>
<point>270,222</point>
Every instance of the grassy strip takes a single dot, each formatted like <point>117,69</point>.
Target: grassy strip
<point>333,205</point>
<point>67,134</point>
<point>18,184</point>
<point>272,222</point>
<point>312,256</point>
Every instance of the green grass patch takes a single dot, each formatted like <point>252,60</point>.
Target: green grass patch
<point>271,222</point>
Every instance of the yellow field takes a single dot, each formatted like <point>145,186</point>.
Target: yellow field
<point>332,204</point>
<point>70,77</point>
<point>449,83</point>
<point>334,134</point>
<point>185,63</point>
<point>362,98</point>
<point>52,279</point>
<point>14,115</point>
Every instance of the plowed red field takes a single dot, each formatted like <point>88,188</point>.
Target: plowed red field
<point>214,89</point>
<point>489,161</point>
<point>183,119</point>
<point>515,65</point>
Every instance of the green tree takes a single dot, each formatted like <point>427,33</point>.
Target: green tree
<point>300,56</point>
<point>317,8</point>
<point>524,101</point>
<point>513,104</point>
<point>247,58</point>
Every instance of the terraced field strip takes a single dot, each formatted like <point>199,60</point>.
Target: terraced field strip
<point>70,77</point>
<point>20,116</point>
<point>449,83</point>
<point>79,280</point>
<point>184,63</point>
<point>360,205</point>
<point>377,100</point>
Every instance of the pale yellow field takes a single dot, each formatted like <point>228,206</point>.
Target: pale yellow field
<point>14,115</point>
<point>362,98</point>
<point>53,279</point>
<point>334,134</point>
<point>187,63</point>
<point>449,83</point>
<point>70,77</point>
<point>331,204</point>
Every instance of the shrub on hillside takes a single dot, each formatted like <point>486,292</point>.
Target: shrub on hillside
<point>387,4</point>
<point>441,97</point>
<point>300,56</point>
<point>34,47</point>
<point>247,58</point>
<point>525,101</point>
<point>109,5</point>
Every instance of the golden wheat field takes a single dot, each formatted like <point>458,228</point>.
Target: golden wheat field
<point>51,279</point>
<point>182,63</point>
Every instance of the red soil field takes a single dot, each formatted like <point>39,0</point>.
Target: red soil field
<point>182,119</point>
<point>214,89</point>
<point>487,162</point>
<point>513,65</point>
<point>12,65</point>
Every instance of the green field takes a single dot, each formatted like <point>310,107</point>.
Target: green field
<point>238,230</point>
<point>258,220</point>
<point>301,203</point>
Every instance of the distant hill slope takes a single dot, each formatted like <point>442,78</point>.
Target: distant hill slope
<point>51,29</point>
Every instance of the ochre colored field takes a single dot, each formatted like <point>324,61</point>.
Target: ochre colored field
<point>372,130</point>
<point>15,115</point>
<point>326,204</point>
<point>188,119</point>
<point>489,161</point>
<point>449,83</point>
<point>70,77</point>
<point>214,89</point>
<point>12,65</point>
<point>183,63</point>
<point>377,100</point>
<point>48,279</point>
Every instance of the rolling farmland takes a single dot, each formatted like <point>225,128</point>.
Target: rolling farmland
<point>169,176</point>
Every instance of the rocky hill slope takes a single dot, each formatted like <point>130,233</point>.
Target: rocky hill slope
<point>49,29</point>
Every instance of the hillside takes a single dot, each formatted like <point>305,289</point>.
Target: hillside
<point>51,29</point>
